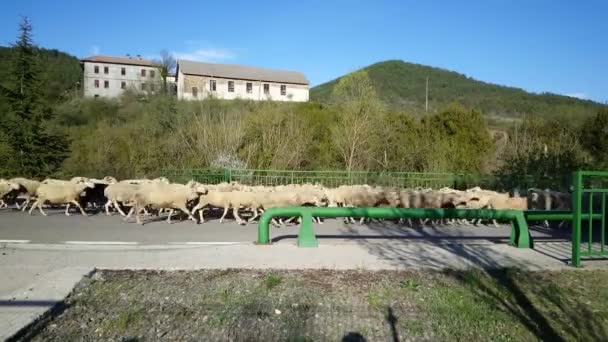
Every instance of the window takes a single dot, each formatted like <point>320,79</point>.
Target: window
<point>249,87</point>
<point>96,83</point>
<point>194,92</point>
<point>106,84</point>
<point>283,89</point>
<point>143,72</point>
<point>143,86</point>
<point>96,69</point>
<point>152,73</point>
<point>152,86</point>
<point>231,86</point>
<point>212,85</point>
<point>266,88</point>
<point>106,70</point>
<point>123,85</point>
<point>123,71</point>
<point>96,95</point>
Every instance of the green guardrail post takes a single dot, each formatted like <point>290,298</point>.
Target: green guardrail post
<point>307,236</point>
<point>576,218</point>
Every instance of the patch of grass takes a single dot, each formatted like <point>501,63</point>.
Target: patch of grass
<point>328,305</point>
<point>409,284</point>
<point>125,320</point>
<point>272,280</point>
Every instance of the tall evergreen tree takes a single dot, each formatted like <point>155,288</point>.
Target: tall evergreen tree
<point>36,150</point>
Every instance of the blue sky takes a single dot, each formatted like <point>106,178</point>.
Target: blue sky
<point>539,45</point>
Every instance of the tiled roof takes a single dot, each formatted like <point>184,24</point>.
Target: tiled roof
<point>241,72</point>
<point>120,60</point>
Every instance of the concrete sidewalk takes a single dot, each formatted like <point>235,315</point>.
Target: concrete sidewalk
<point>36,277</point>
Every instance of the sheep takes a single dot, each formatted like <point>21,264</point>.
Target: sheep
<point>7,187</point>
<point>56,193</point>
<point>225,200</point>
<point>118,193</point>
<point>27,190</point>
<point>160,195</point>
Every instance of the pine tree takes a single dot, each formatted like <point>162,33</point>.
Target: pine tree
<point>36,150</point>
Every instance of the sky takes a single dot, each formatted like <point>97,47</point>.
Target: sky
<point>557,46</point>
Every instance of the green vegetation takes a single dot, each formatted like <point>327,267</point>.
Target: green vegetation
<point>401,86</point>
<point>324,305</point>
<point>49,129</point>
<point>272,280</point>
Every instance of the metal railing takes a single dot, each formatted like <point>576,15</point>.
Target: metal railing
<point>520,235</point>
<point>589,200</point>
<point>336,178</point>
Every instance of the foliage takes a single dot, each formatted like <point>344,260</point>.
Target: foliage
<point>357,105</point>
<point>594,137</point>
<point>37,149</point>
<point>546,151</point>
<point>401,86</point>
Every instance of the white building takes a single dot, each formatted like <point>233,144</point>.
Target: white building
<point>197,80</point>
<point>110,76</point>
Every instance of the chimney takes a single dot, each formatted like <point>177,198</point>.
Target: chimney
<point>128,55</point>
<point>139,57</point>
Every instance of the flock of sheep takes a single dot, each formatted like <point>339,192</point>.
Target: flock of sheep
<point>159,195</point>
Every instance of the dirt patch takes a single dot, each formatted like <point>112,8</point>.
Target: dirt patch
<point>323,305</point>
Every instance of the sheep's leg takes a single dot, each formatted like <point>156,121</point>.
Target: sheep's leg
<point>107,207</point>
<point>169,217</point>
<point>255,215</point>
<point>235,213</point>
<point>276,224</point>
<point>33,206</point>
<point>2,204</point>
<point>67,209</point>
<point>130,213</point>
<point>224,214</point>
<point>16,204</point>
<point>137,211</point>
<point>117,206</point>
<point>187,212</point>
<point>79,207</point>
<point>25,204</point>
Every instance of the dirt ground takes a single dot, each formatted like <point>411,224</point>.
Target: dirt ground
<point>323,305</point>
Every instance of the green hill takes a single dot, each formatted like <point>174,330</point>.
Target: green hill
<point>401,86</point>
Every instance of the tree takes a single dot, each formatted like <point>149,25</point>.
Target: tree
<point>36,149</point>
<point>166,66</point>
<point>594,137</point>
<point>357,104</point>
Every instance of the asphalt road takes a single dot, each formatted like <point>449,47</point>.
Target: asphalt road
<point>57,228</point>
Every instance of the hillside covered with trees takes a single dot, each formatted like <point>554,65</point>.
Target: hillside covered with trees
<point>401,86</point>
<point>47,128</point>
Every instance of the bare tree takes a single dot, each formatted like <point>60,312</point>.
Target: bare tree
<point>357,105</point>
<point>166,65</point>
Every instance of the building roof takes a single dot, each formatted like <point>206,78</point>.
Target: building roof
<point>241,72</point>
<point>120,60</point>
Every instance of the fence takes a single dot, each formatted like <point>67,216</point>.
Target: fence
<point>589,198</point>
<point>391,179</point>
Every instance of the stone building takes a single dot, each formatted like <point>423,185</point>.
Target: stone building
<point>197,80</point>
<point>110,76</point>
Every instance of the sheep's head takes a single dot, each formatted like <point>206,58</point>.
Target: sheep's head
<point>161,180</point>
<point>110,180</point>
<point>79,180</point>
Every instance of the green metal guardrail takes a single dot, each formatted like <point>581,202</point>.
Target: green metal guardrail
<point>520,235</point>
<point>583,207</point>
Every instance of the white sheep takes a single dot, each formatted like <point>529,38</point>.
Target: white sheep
<point>159,195</point>
<point>56,193</point>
